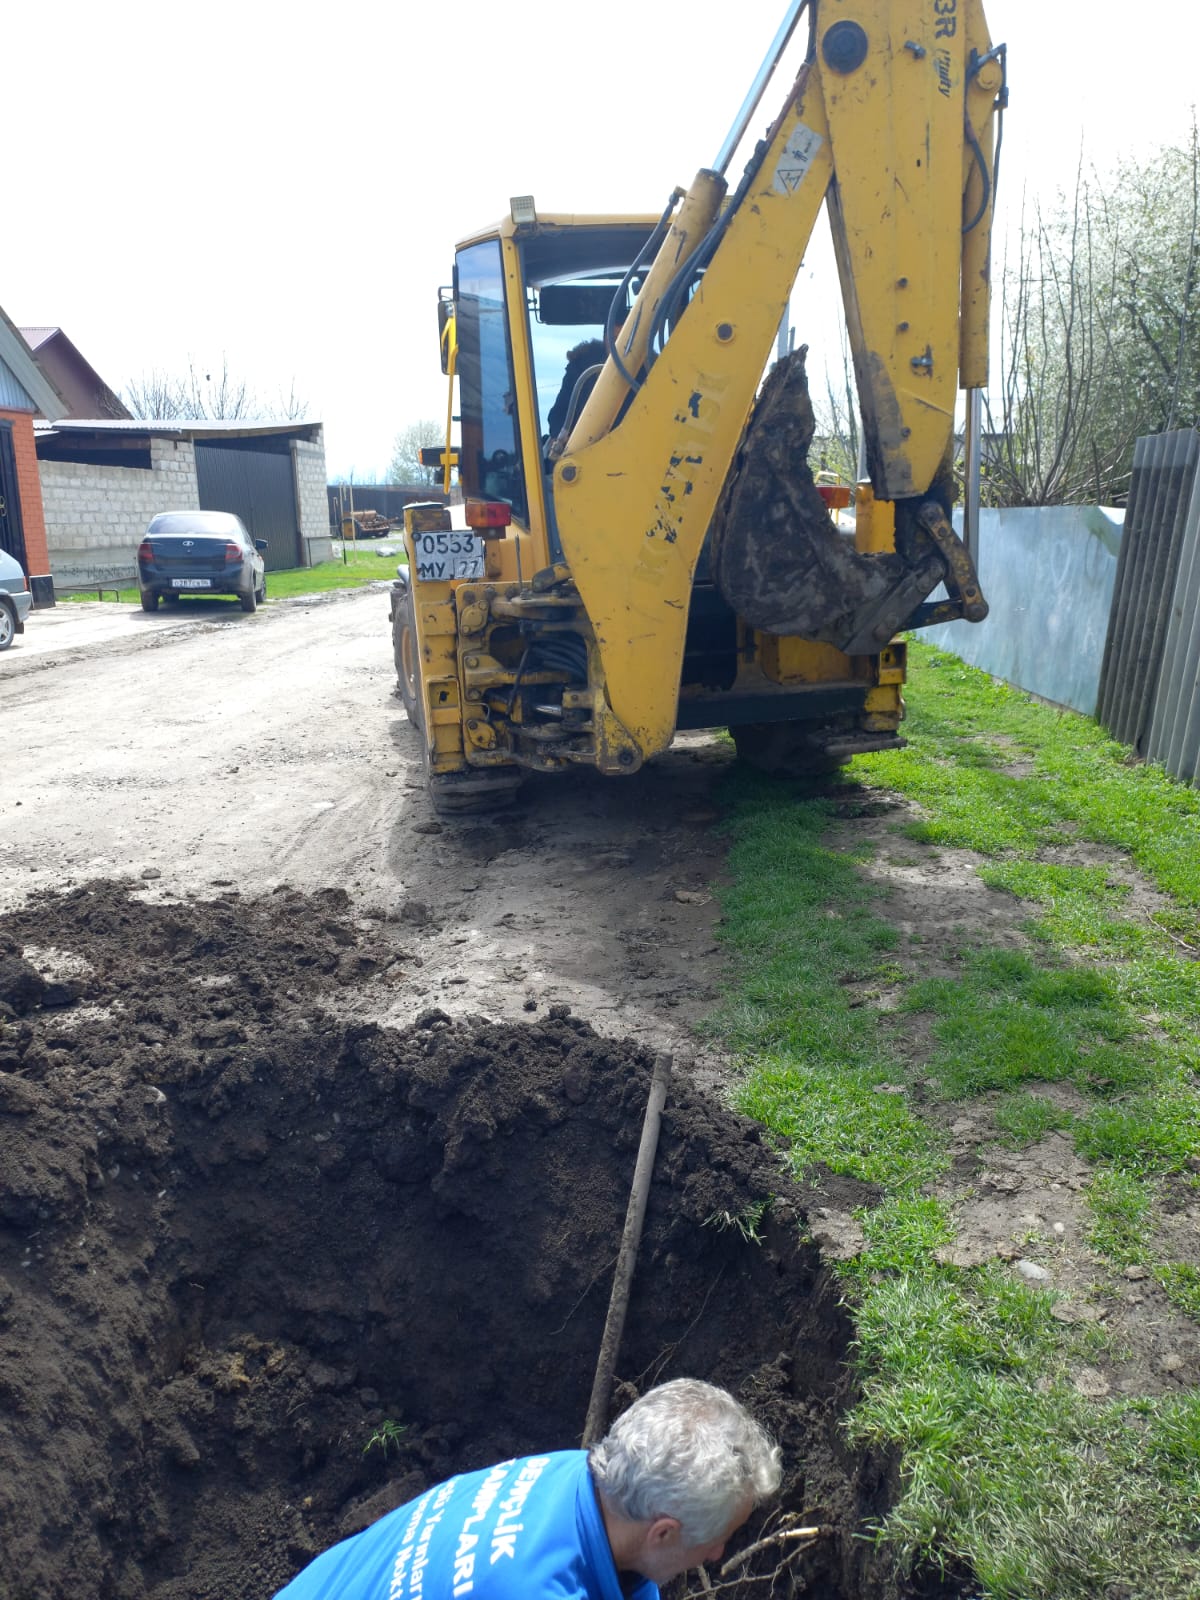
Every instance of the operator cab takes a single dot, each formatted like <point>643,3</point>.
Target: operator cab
<point>524,301</point>
<point>532,301</point>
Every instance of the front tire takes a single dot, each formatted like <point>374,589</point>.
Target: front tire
<point>149,599</point>
<point>408,666</point>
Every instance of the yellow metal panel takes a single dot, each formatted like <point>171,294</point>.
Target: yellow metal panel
<point>795,661</point>
<point>437,646</point>
<point>874,521</point>
<point>896,123</point>
<point>633,508</point>
<point>977,244</point>
<point>508,229</point>
<point>523,380</point>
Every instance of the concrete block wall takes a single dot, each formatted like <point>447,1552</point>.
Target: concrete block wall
<point>308,464</point>
<point>96,516</point>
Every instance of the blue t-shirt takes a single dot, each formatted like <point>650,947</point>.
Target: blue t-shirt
<point>523,1530</point>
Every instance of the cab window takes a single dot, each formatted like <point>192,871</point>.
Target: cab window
<point>490,451</point>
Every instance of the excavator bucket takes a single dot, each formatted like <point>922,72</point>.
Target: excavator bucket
<point>781,562</point>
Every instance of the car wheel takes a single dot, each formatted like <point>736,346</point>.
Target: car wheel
<point>262,590</point>
<point>149,599</point>
<point>408,668</point>
<point>249,600</point>
<point>8,625</point>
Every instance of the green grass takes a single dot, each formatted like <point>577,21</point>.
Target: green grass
<point>856,1044</point>
<point>362,565</point>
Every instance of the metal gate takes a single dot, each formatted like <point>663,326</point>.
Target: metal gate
<point>1150,683</point>
<point>12,529</point>
<point>258,486</point>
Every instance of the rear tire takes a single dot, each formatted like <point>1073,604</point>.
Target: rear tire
<point>784,750</point>
<point>8,624</point>
<point>149,599</point>
<point>249,601</point>
<point>473,793</point>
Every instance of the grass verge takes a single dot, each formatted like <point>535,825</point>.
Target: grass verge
<point>861,1044</point>
<point>361,565</point>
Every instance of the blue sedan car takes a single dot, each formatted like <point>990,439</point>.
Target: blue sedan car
<point>200,552</point>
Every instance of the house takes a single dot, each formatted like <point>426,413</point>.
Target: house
<point>83,390</point>
<point>25,392</point>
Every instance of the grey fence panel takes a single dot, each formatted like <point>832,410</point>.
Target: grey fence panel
<point>1174,737</point>
<point>1048,574</point>
<point>1164,469</point>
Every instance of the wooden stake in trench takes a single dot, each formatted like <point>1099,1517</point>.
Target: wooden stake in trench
<point>635,1216</point>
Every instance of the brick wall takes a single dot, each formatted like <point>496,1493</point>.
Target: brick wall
<point>96,516</point>
<point>30,489</point>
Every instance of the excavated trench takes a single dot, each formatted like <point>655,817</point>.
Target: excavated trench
<point>267,1273</point>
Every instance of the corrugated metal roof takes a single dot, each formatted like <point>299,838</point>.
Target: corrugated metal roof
<point>174,429</point>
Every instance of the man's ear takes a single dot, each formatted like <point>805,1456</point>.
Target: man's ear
<point>663,1531</point>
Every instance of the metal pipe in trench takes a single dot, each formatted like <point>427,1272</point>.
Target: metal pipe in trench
<point>635,1216</point>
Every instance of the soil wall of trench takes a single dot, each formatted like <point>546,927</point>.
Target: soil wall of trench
<point>241,1236</point>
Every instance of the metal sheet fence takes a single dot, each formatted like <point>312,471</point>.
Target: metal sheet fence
<point>1048,574</point>
<point>386,499</point>
<point>259,487</point>
<point>1150,683</point>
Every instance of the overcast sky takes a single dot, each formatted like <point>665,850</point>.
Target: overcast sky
<point>282,185</point>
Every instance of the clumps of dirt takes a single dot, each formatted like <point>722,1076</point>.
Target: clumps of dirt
<point>265,1274</point>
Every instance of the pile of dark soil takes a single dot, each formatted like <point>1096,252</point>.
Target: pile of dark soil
<point>265,1274</point>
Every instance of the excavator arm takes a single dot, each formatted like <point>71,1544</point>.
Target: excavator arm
<point>889,125</point>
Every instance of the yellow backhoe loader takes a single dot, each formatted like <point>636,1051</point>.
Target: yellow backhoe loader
<point>643,547</point>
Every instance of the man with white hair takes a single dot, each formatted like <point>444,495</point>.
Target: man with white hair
<point>676,1476</point>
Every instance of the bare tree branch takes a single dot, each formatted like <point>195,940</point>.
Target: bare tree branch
<point>207,394</point>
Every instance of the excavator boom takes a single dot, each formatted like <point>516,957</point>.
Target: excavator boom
<point>886,124</point>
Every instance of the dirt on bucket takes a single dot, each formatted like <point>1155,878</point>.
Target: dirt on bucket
<point>266,1272</point>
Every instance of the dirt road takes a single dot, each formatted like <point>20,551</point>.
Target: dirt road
<point>271,750</point>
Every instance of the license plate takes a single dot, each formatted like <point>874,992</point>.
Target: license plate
<point>191,583</point>
<point>447,553</point>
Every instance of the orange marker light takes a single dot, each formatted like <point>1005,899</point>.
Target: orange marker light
<point>488,514</point>
<point>835,495</point>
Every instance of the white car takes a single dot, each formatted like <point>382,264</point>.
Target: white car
<point>15,599</point>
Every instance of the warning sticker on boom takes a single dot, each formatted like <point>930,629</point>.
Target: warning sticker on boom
<point>797,155</point>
